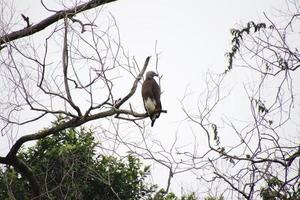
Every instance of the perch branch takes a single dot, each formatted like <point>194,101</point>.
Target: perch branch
<point>134,86</point>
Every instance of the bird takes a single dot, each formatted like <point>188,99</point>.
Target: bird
<point>151,96</point>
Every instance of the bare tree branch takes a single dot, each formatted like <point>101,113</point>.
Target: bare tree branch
<point>51,19</point>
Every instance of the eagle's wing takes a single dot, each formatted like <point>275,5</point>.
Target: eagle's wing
<point>146,92</point>
<point>151,97</point>
<point>156,95</point>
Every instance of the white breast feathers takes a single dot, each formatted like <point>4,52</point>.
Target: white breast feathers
<point>150,105</point>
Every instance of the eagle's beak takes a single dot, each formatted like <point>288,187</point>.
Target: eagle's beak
<point>156,74</point>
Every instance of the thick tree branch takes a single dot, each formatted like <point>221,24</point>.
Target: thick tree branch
<point>3,160</point>
<point>293,157</point>
<point>72,123</point>
<point>21,167</point>
<point>50,20</point>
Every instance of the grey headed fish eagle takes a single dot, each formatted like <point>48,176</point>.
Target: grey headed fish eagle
<point>151,96</point>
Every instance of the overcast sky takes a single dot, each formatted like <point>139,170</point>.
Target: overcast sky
<point>192,37</point>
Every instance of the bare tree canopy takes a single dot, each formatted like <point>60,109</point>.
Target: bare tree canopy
<point>243,122</point>
<point>49,75</point>
<point>260,158</point>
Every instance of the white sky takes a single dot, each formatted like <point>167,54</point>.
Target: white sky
<point>192,38</point>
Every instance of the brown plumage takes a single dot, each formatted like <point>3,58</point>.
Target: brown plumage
<point>151,96</point>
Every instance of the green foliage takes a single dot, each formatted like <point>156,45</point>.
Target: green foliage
<point>12,186</point>
<point>191,196</point>
<point>276,189</point>
<point>214,198</point>
<point>161,195</point>
<point>66,165</point>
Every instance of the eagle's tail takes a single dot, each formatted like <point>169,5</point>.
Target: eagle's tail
<point>153,118</point>
<point>152,122</point>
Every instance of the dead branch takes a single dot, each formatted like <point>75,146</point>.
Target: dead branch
<point>50,20</point>
<point>26,19</point>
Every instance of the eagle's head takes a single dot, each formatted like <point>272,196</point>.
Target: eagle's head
<point>150,74</point>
